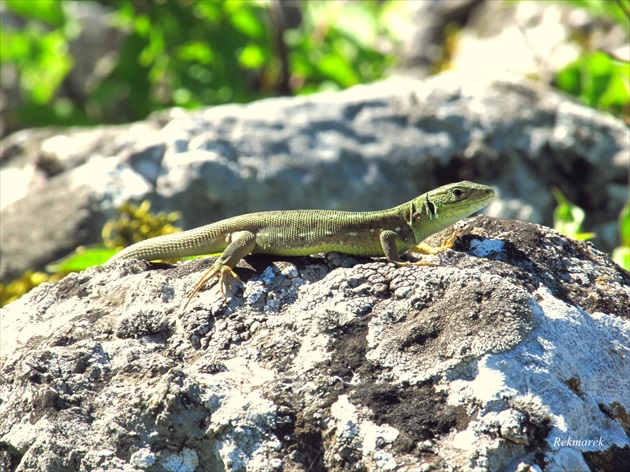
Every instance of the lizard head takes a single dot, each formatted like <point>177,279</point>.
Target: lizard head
<point>440,208</point>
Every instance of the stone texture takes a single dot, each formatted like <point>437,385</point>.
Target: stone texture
<point>516,342</point>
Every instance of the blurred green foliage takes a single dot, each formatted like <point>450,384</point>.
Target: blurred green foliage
<point>39,51</point>
<point>133,224</point>
<point>30,279</point>
<point>192,53</point>
<point>568,218</point>
<point>597,78</point>
<point>621,254</point>
<point>137,223</point>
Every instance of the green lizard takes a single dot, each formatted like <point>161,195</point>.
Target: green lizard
<point>386,233</point>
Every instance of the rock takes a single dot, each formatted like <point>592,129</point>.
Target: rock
<point>366,148</point>
<point>76,190</point>
<point>423,46</point>
<point>513,354</point>
<point>534,39</point>
<point>38,230</point>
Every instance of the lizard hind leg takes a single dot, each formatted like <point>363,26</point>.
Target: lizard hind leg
<point>227,279</point>
<point>241,243</point>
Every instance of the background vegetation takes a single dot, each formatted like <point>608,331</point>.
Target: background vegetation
<point>193,53</point>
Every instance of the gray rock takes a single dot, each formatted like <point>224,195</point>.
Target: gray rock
<point>367,148</point>
<point>514,346</point>
<point>35,231</point>
<point>423,47</point>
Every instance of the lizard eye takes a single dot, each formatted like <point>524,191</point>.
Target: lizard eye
<point>457,192</point>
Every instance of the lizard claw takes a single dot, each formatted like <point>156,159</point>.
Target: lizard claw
<point>416,263</point>
<point>227,278</point>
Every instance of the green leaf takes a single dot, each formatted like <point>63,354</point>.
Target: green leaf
<point>195,51</point>
<point>15,46</point>
<point>252,57</point>
<point>245,21</point>
<point>598,80</point>
<point>624,225</point>
<point>568,218</point>
<point>621,256</point>
<point>49,11</point>
<point>209,12</point>
<point>82,258</point>
<point>338,68</point>
<point>54,65</point>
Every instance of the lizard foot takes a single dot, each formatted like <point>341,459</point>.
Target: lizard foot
<point>227,278</point>
<point>424,248</point>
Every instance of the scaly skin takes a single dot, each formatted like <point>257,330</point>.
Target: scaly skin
<point>386,233</point>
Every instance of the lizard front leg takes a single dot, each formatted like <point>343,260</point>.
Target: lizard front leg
<point>241,244</point>
<point>425,248</point>
<point>388,240</point>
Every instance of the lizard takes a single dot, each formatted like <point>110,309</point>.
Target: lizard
<point>388,233</point>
